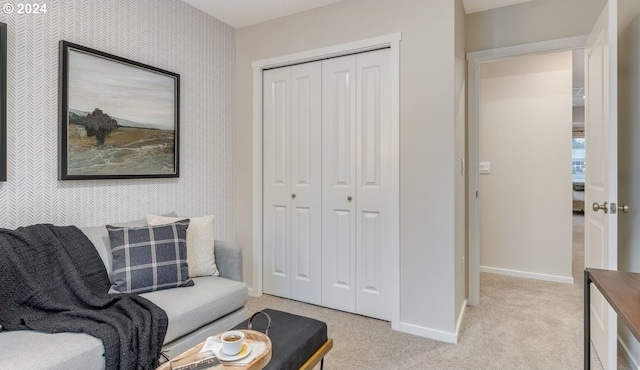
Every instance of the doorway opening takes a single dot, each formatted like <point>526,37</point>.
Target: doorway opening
<point>525,118</point>
<point>578,163</point>
<point>521,197</point>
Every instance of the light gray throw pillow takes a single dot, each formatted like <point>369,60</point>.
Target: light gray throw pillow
<point>200,241</point>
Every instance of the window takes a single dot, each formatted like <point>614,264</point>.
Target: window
<point>577,155</point>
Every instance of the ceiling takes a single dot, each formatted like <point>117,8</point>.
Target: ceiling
<point>242,13</point>
<point>474,6</point>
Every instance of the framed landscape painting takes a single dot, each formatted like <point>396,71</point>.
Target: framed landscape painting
<point>3,102</point>
<point>119,119</point>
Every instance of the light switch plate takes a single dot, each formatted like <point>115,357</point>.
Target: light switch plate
<point>485,168</point>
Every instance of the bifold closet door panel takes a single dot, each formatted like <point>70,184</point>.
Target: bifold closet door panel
<point>338,183</point>
<point>292,182</point>
<point>373,185</point>
<point>277,182</point>
<point>306,182</point>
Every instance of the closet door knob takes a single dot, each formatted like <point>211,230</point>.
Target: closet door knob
<point>293,195</point>
<point>349,198</point>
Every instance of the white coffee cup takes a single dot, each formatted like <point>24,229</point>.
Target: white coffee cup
<point>232,342</point>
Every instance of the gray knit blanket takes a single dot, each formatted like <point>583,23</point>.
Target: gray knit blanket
<point>52,280</point>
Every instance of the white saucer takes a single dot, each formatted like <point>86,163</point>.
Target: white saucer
<point>244,352</point>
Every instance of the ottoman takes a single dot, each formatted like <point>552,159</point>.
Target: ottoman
<point>296,340</point>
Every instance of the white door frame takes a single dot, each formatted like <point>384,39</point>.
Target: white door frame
<point>391,41</point>
<point>475,59</point>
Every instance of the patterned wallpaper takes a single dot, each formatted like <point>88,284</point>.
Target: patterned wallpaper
<point>167,34</point>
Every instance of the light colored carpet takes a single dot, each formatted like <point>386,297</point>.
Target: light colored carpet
<point>519,324</point>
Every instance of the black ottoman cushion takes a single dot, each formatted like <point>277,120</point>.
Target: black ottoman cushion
<point>294,339</point>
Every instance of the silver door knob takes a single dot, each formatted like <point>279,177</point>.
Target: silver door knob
<point>624,208</point>
<point>600,207</point>
<point>349,198</point>
<point>293,195</point>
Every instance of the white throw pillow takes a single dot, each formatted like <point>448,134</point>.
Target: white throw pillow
<point>200,236</point>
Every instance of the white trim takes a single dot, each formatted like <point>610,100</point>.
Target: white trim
<point>391,41</point>
<point>252,293</point>
<point>257,182</point>
<point>395,175</point>
<point>329,52</point>
<point>424,332</point>
<point>635,363</point>
<point>473,183</point>
<point>460,317</point>
<point>524,49</point>
<point>474,60</point>
<point>528,275</point>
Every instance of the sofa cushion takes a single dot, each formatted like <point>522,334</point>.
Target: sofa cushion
<point>26,349</point>
<point>200,236</point>
<point>190,308</point>
<point>149,258</point>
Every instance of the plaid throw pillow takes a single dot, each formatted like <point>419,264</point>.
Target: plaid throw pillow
<point>149,258</point>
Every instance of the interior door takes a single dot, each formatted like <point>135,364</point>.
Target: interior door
<point>357,188</point>
<point>277,182</point>
<point>306,187</point>
<point>601,174</point>
<point>292,182</point>
<point>373,185</point>
<point>338,183</point>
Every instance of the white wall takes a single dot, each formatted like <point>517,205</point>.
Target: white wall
<point>629,151</point>
<point>537,20</point>
<point>525,133</point>
<point>428,164</point>
<point>163,33</point>
<point>460,172</point>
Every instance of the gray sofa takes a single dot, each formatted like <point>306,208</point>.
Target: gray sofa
<point>212,305</point>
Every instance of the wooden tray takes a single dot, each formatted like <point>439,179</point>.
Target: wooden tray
<point>258,363</point>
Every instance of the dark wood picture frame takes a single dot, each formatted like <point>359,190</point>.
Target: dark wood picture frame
<point>118,119</point>
<point>3,102</point>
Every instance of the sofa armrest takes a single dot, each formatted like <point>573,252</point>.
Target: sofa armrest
<point>228,260</point>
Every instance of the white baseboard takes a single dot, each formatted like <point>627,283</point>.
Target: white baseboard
<point>630,358</point>
<point>421,331</point>
<point>528,275</point>
<point>460,317</point>
<point>253,293</point>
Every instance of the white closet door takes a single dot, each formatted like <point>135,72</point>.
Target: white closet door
<point>292,183</point>
<point>306,159</point>
<point>338,183</point>
<point>327,183</point>
<point>277,182</point>
<point>356,175</point>
<point>373,185</point>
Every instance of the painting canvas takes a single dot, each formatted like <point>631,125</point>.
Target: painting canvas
<point>118,118</point>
